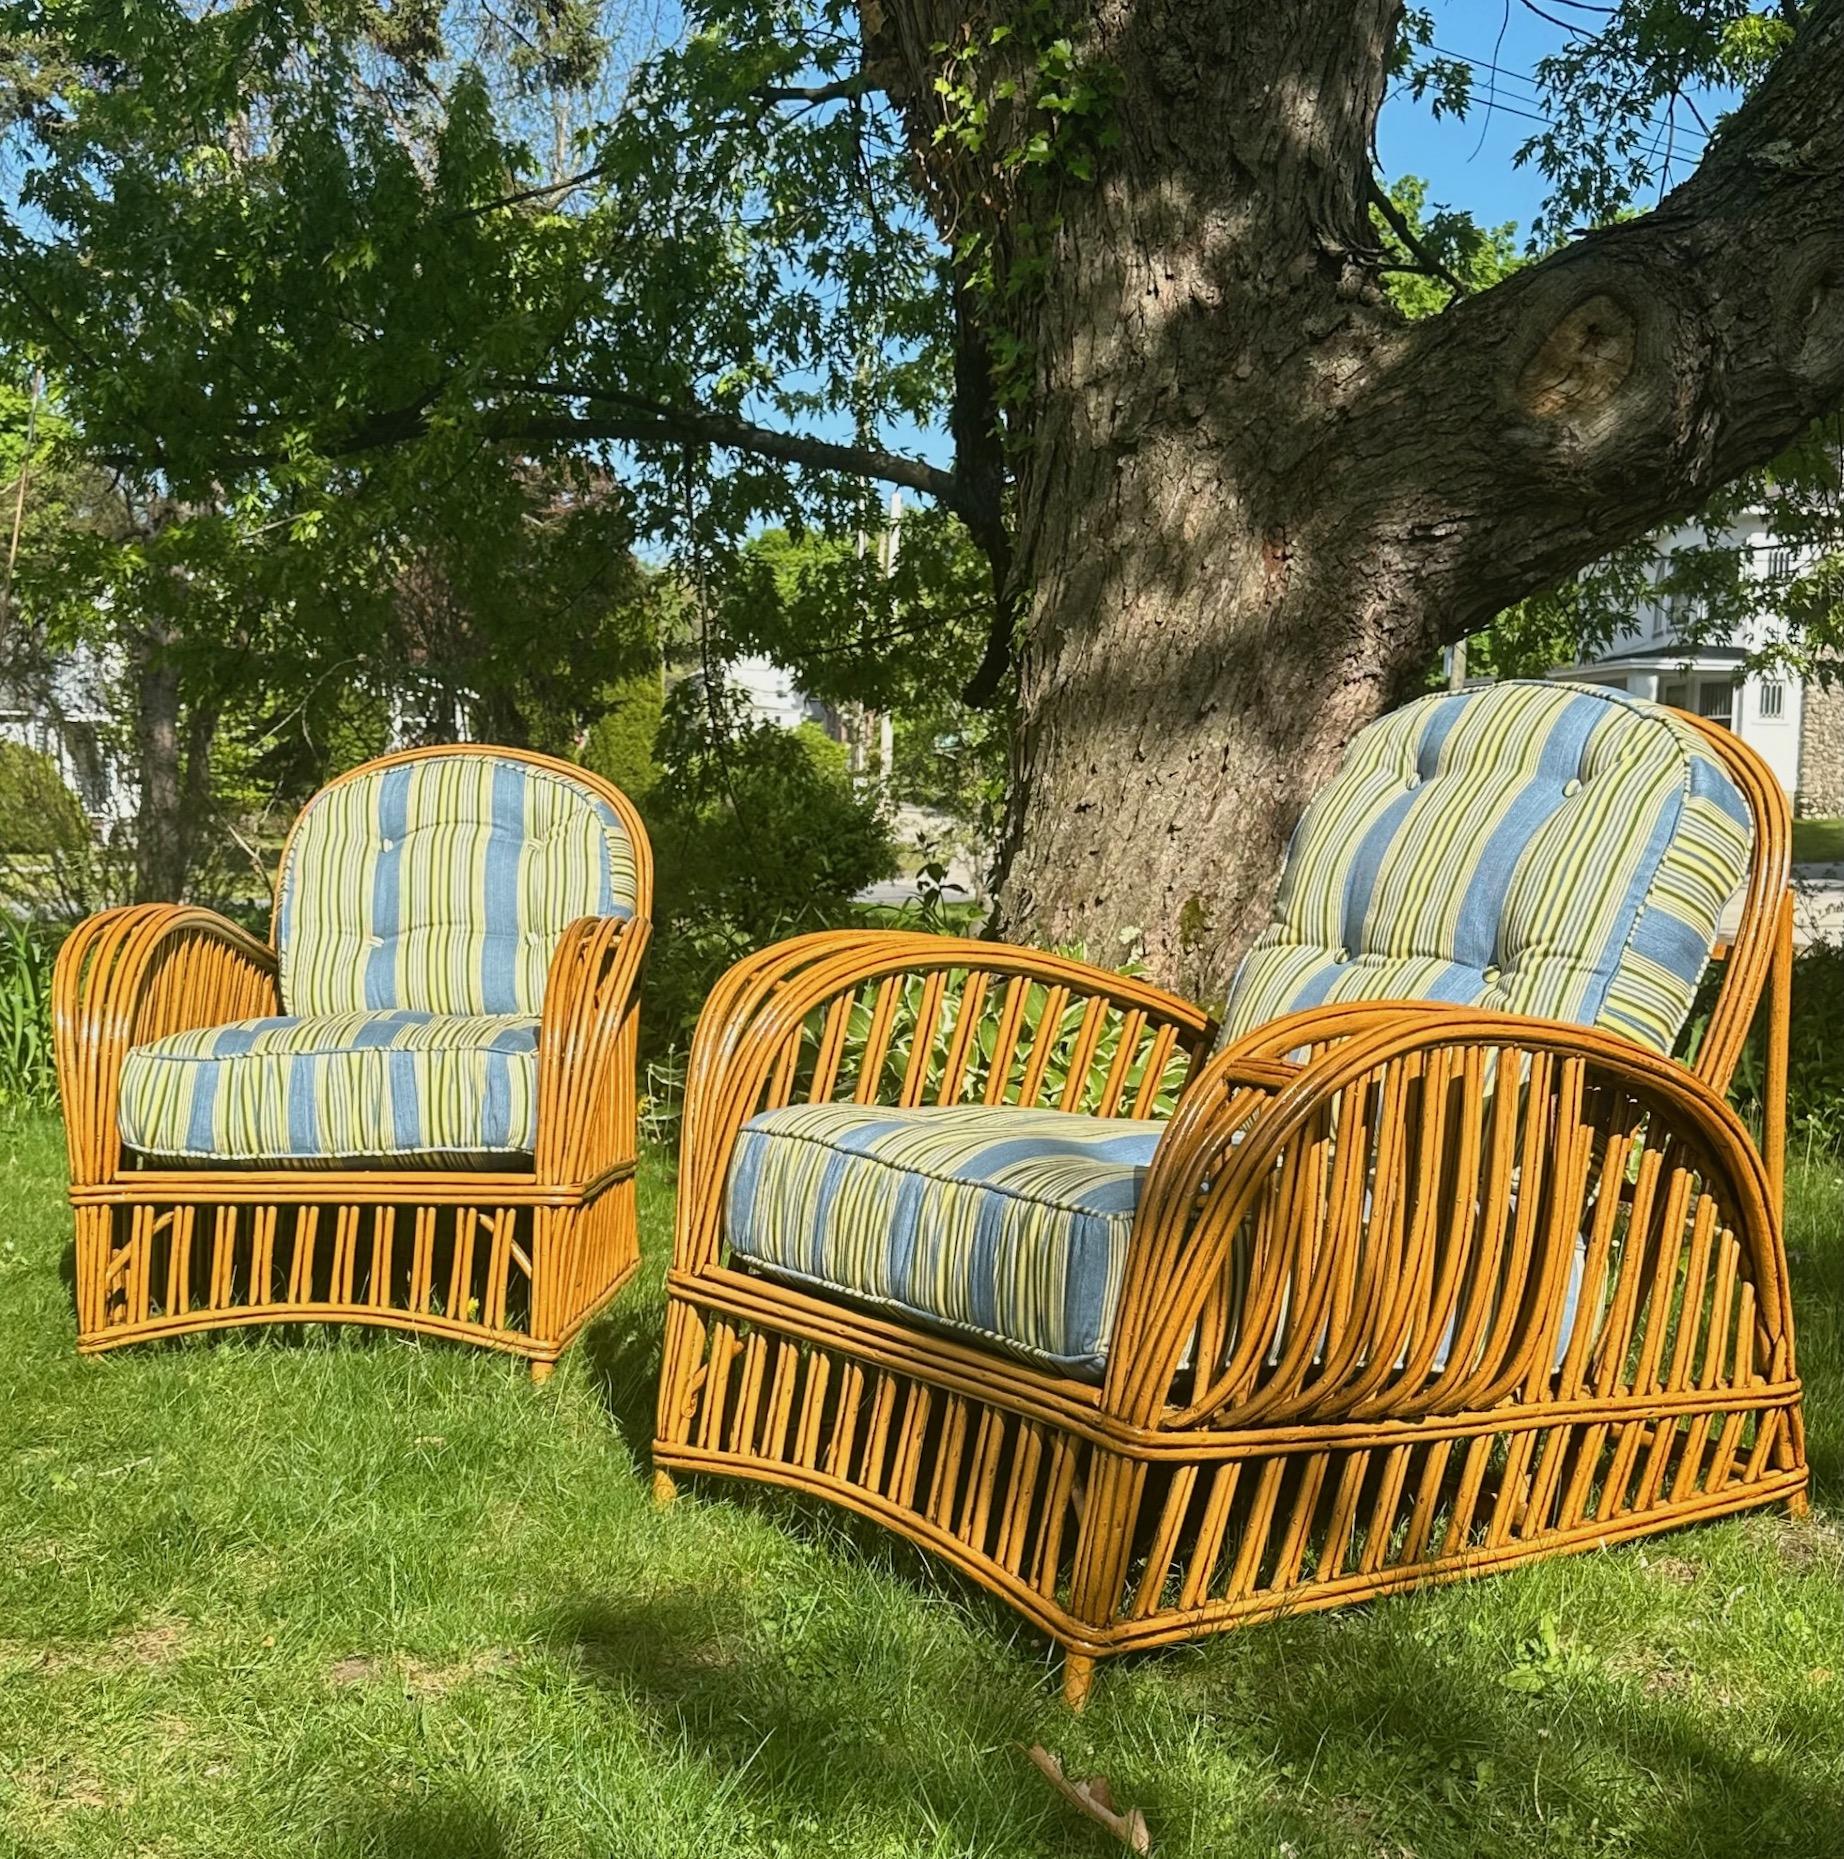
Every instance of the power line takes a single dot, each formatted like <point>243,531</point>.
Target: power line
<point>1664,126</point>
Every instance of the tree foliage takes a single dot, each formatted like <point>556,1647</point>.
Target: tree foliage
<point>386,339</point>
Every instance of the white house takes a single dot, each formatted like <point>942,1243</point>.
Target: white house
<point>1795,725</point>
<point>772,693</point>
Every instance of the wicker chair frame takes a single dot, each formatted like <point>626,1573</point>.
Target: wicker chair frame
<point>516,1261</point>
<point>1218,1476</point>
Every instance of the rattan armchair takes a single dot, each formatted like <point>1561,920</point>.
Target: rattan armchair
<point>443,1139</point>
<point>1410,1290</point>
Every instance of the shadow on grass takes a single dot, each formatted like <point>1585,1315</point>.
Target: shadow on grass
<point>1368,1740</point>
<point>621,1353</point>
<point>422,1828</point>
<point>1571,1770</point>
<point>822,1719</point>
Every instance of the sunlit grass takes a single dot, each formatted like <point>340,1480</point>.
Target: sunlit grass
<point>1818,842</point>
<point>345,1595</point>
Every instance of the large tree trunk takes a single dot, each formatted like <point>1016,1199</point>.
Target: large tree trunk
<point>1166,746</point>
<point>1251,500</point>
<point>173,741</point>
<point>162,851</point>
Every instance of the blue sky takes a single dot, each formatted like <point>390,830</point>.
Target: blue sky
<point>1470,164</point>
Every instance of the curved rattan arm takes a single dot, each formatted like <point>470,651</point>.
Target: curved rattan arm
<point>893,1017</point>
<point>1390,1232</point>
<point>586,1050</point>
<point>129,976</point>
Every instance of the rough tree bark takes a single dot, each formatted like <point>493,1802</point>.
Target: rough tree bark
<point>1250,499</point>
<point>173,752</point>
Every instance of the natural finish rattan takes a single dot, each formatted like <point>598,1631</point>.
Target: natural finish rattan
<point>1379,1180</point>
<point>514,1261</point>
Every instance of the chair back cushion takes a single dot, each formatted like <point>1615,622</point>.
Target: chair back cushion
<point>441,884</point>
<point>1535,848</point>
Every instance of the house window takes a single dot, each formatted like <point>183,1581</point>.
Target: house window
<point>1716,702</point>
<point>1686,613</point>
<point>1773,701</point>
<point>1677,696</point>
<point>1780,563</point>
<point>1658,619</point>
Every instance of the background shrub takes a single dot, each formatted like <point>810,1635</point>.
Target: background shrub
<point>758,833</point>
<point>38,813</point>
<point>621,745</point>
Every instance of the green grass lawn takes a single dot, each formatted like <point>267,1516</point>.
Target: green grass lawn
<point>1818,842</point>
<point>342,1594</point>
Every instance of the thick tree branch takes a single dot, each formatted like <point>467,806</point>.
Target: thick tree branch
<point>623,418</point>
<point>631,420</point>
<point>859,84</point>
<point>1591,398</point>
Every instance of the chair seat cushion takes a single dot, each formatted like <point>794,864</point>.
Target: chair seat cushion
<point>422,1087</point>
<point>1003,1226</point>
<point>1006,1226</point>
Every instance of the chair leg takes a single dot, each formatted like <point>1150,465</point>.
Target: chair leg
<point>1078,1677</point>
<point>542,1368</point>
<point>664,1489</point>
<point>90,1266</point>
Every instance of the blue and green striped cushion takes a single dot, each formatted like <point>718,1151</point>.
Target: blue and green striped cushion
<point>1001,1226</point>
<point>442,885</point>
<point>1536,848</point>
<point>357,1087</point>
<point>1546,849</point>
<point>1005,1226</point>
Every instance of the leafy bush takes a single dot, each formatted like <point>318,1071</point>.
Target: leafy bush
<point>620,745</point>
<point>758,833</point>
<point>27,952</point>
<point>38,813</point>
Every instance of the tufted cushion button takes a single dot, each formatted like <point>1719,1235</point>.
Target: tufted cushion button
<point>1571,787</point>
<point>1490,977</point>
<point>1340,957</point>
<point>1413,781</point>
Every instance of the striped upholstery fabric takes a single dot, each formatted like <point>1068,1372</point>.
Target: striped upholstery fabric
<point>442,885</point>
<point>347,1087</point>
<point>1536,848</point>
<point>1006,1226</point>
<point>1002,1226</point>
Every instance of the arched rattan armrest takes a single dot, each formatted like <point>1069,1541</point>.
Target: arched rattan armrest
<point>1391,1232</point>
<point>129,976</point>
